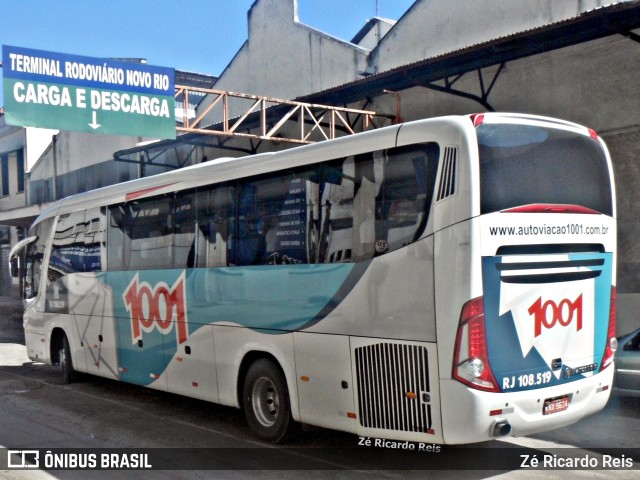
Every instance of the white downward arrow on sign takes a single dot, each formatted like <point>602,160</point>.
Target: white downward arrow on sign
<point>94,124</point>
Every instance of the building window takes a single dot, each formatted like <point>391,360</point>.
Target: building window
<point>12,162</point>
<point>19,155</point>
<point>4,173</point>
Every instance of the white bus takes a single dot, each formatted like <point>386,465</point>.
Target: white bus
<point>449,280</point>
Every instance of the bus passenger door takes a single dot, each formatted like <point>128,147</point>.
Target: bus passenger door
<point>325,385</point>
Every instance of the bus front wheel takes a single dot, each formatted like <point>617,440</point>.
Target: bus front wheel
<point>266,402</point>
<point>65,365</point>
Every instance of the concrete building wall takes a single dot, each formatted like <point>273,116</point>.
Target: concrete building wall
<point>27,144</point>
<point>434,27</point>
<point>78,149</point>
<point>13,145</point>
<point>77,161</point>
<point>371,34</point>
<point>592,83</point>
<point>284,58</point>
<point>12,140</point>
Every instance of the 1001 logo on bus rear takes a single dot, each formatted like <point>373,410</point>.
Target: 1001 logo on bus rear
<point>548,314</point>
<point>159,307</point>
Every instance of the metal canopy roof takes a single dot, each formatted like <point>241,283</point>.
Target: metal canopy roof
<point>619,18</point>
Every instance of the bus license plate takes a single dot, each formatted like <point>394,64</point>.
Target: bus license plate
<point>554,405</point>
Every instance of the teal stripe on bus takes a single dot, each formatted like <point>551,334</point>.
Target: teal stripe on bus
<point>268,299</point>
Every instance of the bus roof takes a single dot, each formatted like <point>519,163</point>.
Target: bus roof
<point>224,169</point>
<point>230,168</point>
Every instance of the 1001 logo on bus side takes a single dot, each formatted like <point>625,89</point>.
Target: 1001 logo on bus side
<point>159,307</point>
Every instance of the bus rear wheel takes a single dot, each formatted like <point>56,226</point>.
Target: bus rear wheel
<point>266,402</point>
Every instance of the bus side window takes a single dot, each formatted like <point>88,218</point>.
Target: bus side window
<point>94,240</point>
<point>277,219</point>
<point>184,240</point>
<point>67,249</point>
<point>149,226</point>
<point>33,273</point>
<point>78,244</point>
<point>215,220</point>
<point>364,216</point>
<point>116,238</point>
<point>249,243</point>
<point>404,198</point>
<point>336,220</point>
<point>375,202</point>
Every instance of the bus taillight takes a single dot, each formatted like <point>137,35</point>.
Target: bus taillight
<point>612,341</point>
<point>477,119</point>
<point>471,359</point>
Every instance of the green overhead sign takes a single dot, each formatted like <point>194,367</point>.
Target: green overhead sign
<point>71,92</point>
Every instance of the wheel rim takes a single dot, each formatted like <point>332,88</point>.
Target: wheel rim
<point>265,401</point>
<point>63,359</point>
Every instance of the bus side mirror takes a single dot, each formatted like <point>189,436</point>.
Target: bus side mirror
<point>14,267</point>
<point>14,255</point>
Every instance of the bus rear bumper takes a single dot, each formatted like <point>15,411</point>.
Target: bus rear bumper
<point>478,416</point>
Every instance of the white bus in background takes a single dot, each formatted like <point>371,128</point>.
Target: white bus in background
<point>449,280</point>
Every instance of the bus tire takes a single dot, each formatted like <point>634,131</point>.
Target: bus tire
<point>65,364</point>
<point>266,402</point>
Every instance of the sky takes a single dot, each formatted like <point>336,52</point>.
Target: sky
<point>193,35</point>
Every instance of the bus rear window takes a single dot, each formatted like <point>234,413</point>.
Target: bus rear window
<point>526,164</point>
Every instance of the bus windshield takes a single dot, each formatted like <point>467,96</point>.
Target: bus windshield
<point>527,164</point>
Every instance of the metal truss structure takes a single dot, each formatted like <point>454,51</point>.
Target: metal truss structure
<point>266,118</point>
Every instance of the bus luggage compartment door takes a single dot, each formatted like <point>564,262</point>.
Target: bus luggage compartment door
<point>325,386</point>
